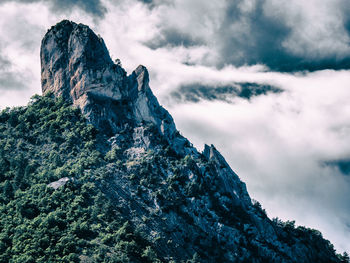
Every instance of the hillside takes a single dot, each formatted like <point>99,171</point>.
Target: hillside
<point>96,171</point>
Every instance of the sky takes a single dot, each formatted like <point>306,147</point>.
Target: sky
<point>265,81</point>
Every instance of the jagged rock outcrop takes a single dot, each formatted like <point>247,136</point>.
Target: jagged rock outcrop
<point>193,202</point>
<point>75,64</point>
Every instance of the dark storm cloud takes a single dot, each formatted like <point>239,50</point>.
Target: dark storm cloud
<point>197,92</point>
<point>151,3</point>
<point>94,7</point>
<point>173,37</point>
<point>342,165</point>
<point>345,7</point>
<point>262,42</point>
<point>281,36</point>
<point>146,1</point>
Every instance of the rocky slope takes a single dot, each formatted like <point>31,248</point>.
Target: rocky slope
<point>188,206</point>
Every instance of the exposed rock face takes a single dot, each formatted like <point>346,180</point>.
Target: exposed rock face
<point>193,202</point>
<point>59,183</point>
<point>75,64</point>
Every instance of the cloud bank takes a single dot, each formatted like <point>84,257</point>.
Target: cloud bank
<point>197,92</point>
<point>93,7</point>
<point>283,35</point>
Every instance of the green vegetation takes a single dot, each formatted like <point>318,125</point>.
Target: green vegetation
<point>39,144</point>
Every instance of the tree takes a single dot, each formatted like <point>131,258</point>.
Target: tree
<point>344,258</point>
<point>8,190</point>
<point>118,62</point>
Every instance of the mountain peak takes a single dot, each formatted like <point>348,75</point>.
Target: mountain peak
<point>132,189</point>
<point>67,49</point>
<point>142,78</point>
<point>76,64</point>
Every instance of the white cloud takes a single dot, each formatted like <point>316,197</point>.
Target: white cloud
<point>317,29</point>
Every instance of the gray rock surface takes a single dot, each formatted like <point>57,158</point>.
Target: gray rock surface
<point>59,183</point>
<point>75,64</point>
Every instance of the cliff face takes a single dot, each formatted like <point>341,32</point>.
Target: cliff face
<point>75,64</point>
<point>195,206</point>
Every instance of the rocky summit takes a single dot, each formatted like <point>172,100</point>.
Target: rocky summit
<point>103,175</point>
<point>75,64</point>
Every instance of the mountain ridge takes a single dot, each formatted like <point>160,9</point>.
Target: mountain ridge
<point>132,188</point>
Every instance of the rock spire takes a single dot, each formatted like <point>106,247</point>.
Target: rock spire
<point>76,64</point>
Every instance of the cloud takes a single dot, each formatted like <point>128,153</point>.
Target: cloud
<point>196,92</point>
<point>343,166</point>
<point>93,7</point>
<point>8,78</point>
<point>172,37</point>
<point>146,1</point>
<point>248,36</point>
<point>283,35</point>
<point>4,63</point>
